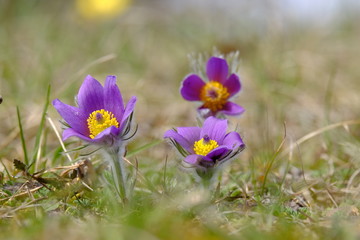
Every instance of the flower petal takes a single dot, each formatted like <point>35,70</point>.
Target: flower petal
<point>192,159</point>
<point>91,95</point>
<point>233,84</point>
<point>233,140</point>
<point>128,110</point>
<point>215,128</point>
<point>113,101</point>
<point>191,87</point>
<point>108,137</point>
<point>69,132</point>
<point>217,69</point>
<point>191,134</point>
<point>218,152</point>
<point>73,116</point>
<point>232,109</point>
<point>179,139</point>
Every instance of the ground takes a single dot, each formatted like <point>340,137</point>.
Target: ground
<point>298,177</point>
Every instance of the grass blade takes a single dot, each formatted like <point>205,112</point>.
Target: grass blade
<point>40,130</point>
<point>144,147</point>
<point>278,150</point>
<point>7,171</point>
<point>26,159</point>
<point>320,131</point>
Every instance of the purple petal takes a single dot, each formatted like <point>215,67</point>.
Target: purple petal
<point>192,159</point>
<point>69,132</point>
<point>128,110</point>
<point>232,109</point>
<point>73,116</point>
<point>233,140</point>
<point>91,95</point>
<point>233,84</point>
<point>108,136</point>
<point>113,101</point>
<point>214,128</point>
<point>191,87</point>
<point>191,134</point>
<point>179,139</point>
<point>218,152</point>
<point>217,69</point>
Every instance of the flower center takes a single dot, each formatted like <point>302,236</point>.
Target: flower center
<point>100,120</point>
<point>214,95</point>
<point>204,146</point>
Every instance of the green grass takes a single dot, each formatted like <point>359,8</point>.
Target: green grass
<point>297,178</point>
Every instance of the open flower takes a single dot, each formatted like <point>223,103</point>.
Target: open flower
<point>207,147</point>
<point>101,117</point>
<point>216,92</point>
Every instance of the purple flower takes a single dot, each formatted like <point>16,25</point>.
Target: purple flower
<point>101,117</point>
<point>206,147</point>
<point>216,92</point>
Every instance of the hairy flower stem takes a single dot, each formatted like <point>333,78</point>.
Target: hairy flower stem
<point>119,172</point>
<point>206,177</point>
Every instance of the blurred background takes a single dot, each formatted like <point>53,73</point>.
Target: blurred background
<point>298,62</point>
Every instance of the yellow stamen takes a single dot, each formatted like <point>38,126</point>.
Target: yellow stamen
<point>203,147</point>
<point>100,120</point>
<point>214,95</point>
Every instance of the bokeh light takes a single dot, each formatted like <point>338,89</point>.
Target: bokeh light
<point>93,9</point>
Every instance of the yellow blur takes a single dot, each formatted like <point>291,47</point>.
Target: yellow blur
<point>101,8</point>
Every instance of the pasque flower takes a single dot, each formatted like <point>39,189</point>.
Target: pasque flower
<point>215,93</point>
<point>101,117</point>
<point>208,147</point>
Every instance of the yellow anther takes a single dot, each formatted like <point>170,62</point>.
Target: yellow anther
<point>100,120</point>
<point>214,95</point>
<point>203,147</point>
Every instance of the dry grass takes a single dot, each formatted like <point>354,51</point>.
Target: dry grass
<point>305,78</point>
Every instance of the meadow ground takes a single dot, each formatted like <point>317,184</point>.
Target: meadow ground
<point>298,177</point>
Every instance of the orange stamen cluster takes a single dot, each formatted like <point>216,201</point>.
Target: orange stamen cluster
<point>214,95</point>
